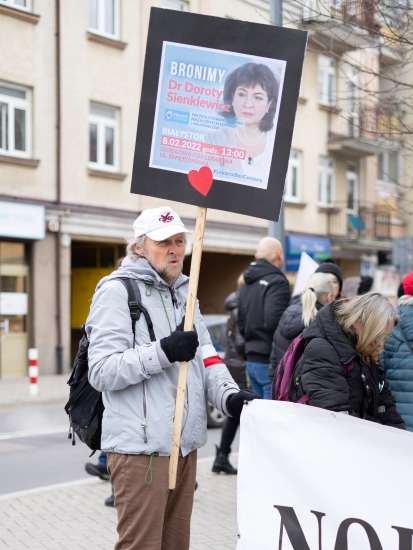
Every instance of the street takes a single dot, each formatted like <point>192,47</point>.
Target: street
<point>35,450</point>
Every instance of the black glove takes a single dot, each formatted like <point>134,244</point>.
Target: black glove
<point>180,345</point>
<point>235,401</point>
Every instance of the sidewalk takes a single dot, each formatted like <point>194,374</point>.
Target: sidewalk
<point>51,388</point>
<point>72,516</point>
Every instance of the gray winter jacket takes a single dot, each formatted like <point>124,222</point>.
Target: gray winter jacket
<point>138,382</point>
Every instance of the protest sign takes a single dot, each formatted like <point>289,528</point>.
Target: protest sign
<point>215,125</point>
<point>197,123</point>
<point>311,479</point>
<point>218,102</point>
<point>306,269</point>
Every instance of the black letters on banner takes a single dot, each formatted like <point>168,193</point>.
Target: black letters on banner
<point>292,526</point>
<point>290,522</point>
<point>405,537</point>
<point>192,142</point>
<point>341,540</point>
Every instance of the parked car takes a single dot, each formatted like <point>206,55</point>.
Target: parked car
<point>216,327</point>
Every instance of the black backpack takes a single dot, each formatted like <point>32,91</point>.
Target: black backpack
<point>85,406</point>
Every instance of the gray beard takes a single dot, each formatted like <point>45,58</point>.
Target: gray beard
<point>164,275</point>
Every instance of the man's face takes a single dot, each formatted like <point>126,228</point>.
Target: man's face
<point>166,257</point>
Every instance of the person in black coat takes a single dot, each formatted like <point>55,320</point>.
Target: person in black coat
<point>318,292</point>
<point>330,267</point>
<point>263,299</point>
<point>235,362</point>
<point>339,369</point>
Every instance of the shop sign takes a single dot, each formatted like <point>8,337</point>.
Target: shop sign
<point>318,249</point>
<point>22,221</point>
<point>13,303</point>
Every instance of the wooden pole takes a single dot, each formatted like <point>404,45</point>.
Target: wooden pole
<point>189,323</point>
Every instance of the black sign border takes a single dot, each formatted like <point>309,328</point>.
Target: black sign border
<point>233,36</point>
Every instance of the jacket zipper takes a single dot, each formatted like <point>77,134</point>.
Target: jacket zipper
<point>144,410</point>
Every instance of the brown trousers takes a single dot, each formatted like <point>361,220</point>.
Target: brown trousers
<point>150,516</point>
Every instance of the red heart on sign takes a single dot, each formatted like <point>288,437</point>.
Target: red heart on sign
<point>201,180</point>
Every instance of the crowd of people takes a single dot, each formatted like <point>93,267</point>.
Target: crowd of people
<point>357,360</point>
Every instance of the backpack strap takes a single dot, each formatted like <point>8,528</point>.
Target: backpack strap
<point>135,305</point>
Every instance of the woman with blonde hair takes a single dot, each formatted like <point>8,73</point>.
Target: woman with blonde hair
<point>318,291</point>
<point>339,369</point>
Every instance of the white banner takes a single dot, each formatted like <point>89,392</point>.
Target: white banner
<point>310,479</point>
<point>306,269</point>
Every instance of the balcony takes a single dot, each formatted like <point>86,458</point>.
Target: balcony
<point>363,223</point>
<point>360,130</point>
<point>341,25</point>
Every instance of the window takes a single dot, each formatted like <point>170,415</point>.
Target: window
<point>103,137</point>
<point>180,5</point>
<point>326,80</point>
<point>351,178</point>
<point>19,4</point>
<point>293,180</point>
<point>14,121</point>
<point>325,182</point>
<point>104,17</point>
<point>388,167</point>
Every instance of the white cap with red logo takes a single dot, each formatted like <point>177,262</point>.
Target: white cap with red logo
<point>158,224</point>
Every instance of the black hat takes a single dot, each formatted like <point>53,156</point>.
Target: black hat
<point>330,267</point>
<point>365,284</point>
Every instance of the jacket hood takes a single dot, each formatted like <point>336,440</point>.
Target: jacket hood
<point>231,301</point>
<point>291,322</point>
<point>141,269</point>
<point>259,269</point>
<point>325,326</point>
<point>405,300</point>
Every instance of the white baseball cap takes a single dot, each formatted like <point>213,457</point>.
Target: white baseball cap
<point>158,223</point>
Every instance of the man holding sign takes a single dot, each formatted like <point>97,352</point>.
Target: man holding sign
<point>139,379</point>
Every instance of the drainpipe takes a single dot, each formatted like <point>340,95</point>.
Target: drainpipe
<point>59,345</point>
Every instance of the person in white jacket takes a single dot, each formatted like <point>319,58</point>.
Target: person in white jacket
<point>139,379</point>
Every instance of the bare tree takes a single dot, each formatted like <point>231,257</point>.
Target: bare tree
<point>371,43</point>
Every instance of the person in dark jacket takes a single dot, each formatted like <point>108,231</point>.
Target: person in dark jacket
<point>235,362</point>
<point>355,286</point>
<point>339,369</point>
<point>263,299</point>
<point>317,293</point>
<point>397,358</point>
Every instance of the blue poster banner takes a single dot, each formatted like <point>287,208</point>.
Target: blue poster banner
<point>218,109</point>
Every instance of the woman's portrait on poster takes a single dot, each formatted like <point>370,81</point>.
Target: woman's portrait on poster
<point>252,91</point>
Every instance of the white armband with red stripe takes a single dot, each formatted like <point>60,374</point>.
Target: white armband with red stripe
<point>210,356</point>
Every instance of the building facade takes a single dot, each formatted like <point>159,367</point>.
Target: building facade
<point>70,78</point>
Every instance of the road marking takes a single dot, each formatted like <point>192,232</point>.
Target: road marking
<point>67,484</point>
<point>35,490</point>
<point>18,435</point>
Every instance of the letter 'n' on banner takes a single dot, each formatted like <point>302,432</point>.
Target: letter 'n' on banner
<point>199,141</point>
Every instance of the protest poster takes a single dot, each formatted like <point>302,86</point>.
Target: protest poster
<point>199,119</point>
<point>309,479</point>
<point>217,112</point>
<point>306,268</point>
<point>246,77</point>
